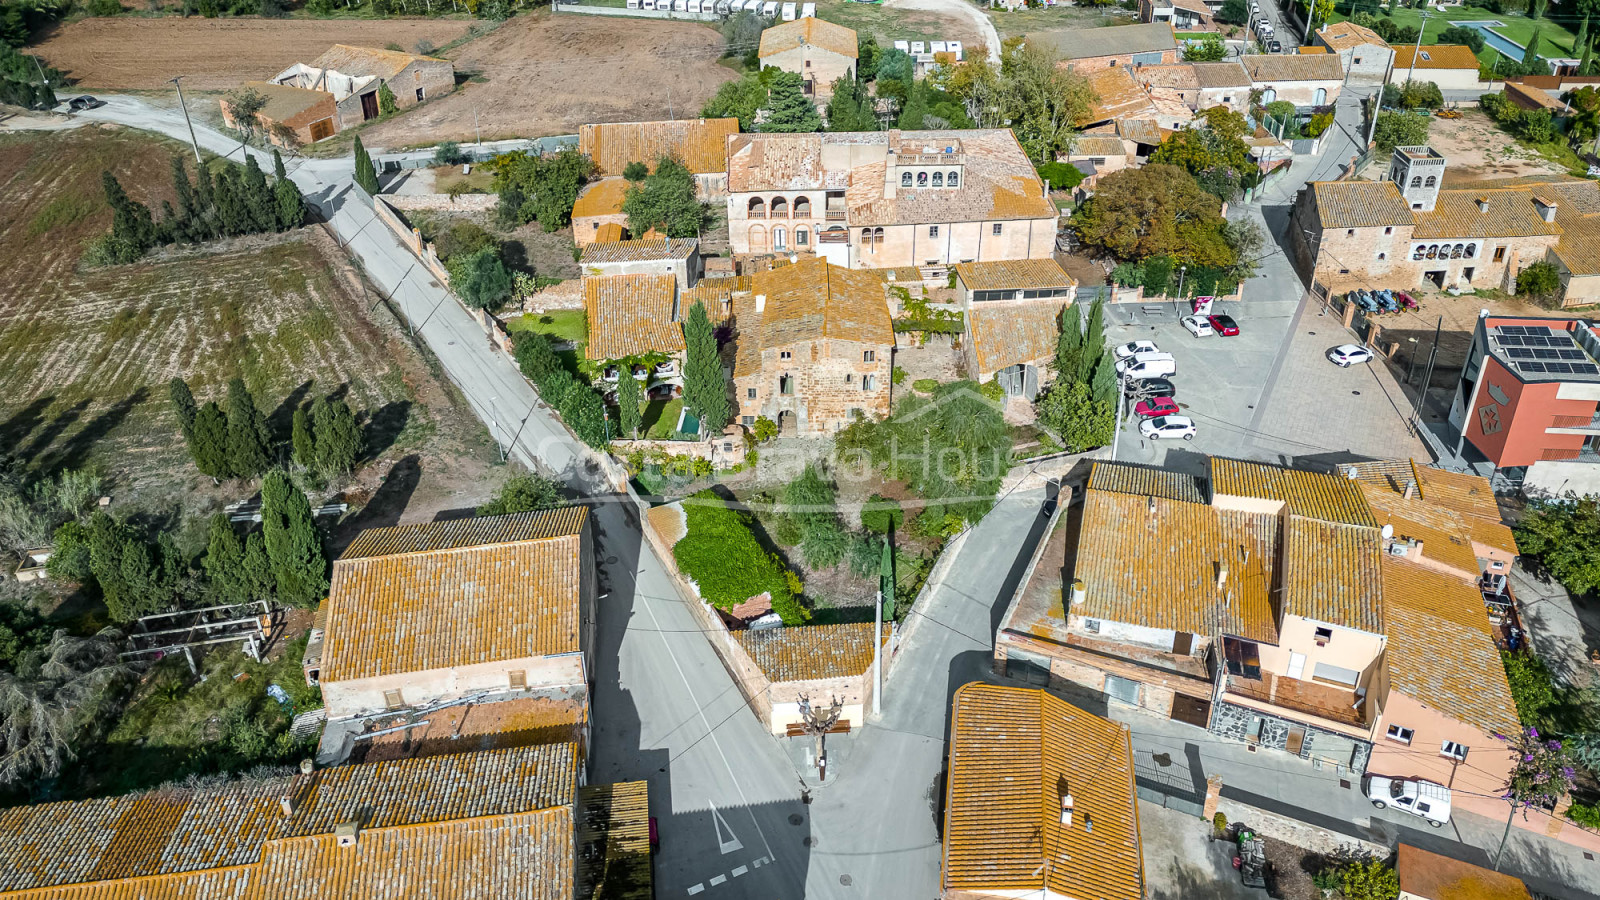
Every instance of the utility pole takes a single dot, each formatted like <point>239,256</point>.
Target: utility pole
<point>877,656</point>
<point>817,723</point>
<point>1372,127</point>
<point>1122,401</point>
<point>476,128</point>
<point>1427,377</point>
<point>1416,52</point>
<point>194,143</point>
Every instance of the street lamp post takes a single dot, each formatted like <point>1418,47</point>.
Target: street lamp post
<point>181,105</point>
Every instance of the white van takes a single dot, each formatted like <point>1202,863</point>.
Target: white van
<point>808,11</point>
<point>770,10</point>
<point>788,12</point>
<point>1425,799</point>
<point>1148,365</point>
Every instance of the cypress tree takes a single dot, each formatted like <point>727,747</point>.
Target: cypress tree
<point>210,447</point>
<point>916,110</point>
<point>183,406</point>
<point>1069,346</point>
<point>248,438</point>
<point>107,540</point>
<point>131,224</point>
<point>292,544</point>
<point>705,392</point>
<point>188,210</point>
<point>257,574</point>
<point>291,205</point>
<point>628,403</point>
<point>207,221</point>
<point>1531,54</point>
<point>224,562</point>
<point>305,448</point>
<point>278,171</point>
<point>1094,342</point>
<point>366,173</point>
<point>233,217</point>
<point>788,108</point>
<point>338,438</point>
<point>259,197</point>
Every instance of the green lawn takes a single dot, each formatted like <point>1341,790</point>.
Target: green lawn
<point>660,419</point>
<point>1555,40</point>
<point>561,324</point>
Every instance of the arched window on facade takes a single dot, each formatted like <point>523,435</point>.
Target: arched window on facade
<point>866,238</point>
<point>905,179</point>
<point>802,208</point>
<point>780,208</point>
<point>780,238</point>
<point>758,239</point>
<point>954,180</point>
<point>938,179</point>
<point>922,179</point>
<point>758,208</point>
<point>877,236</point>
<point>1416,181</point>
<point>1419,252</point>
<point>1431,181</point>
<point>1472,251</point>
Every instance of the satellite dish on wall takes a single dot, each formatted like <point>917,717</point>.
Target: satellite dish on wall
<point>1387,531</point>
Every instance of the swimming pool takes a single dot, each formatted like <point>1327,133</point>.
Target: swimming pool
<point>1506,46</point>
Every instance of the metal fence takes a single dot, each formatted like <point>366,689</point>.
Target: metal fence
<point>1175,802</point>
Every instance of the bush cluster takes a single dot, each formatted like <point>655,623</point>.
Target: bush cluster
<point>720,552</point>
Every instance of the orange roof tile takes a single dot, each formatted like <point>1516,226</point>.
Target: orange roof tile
<point>1146,481</point>
<point>1344,35</point>
<point>1013,274</point>
<point>644,249</point>
<point>1360,204</point>
<point>614,841</point>
<point>1116,96</point>
<point>810,300</point>
<point>1277,68</point>
<point>1013,753</point>
<point>1429,876</point>
<point>601,198</point>
<point>808,31</point>
<point>231,883</point>
<point>1446,539</point>
<point>700,144</point>
<point>461,605</point>
<point>1331,573</point>
<point>1006,334</point>
<point>1456,214</point>
<point>1437,56</point>
<point>810,652</point>
<point>1311,494</point>
<point>631,315</point>
<point>347,59</point>
<point>1529,97</point>
<point>609,233</point>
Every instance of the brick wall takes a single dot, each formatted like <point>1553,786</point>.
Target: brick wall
<point>822,399</point>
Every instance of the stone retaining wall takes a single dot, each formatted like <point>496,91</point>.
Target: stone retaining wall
<point>462,203</point>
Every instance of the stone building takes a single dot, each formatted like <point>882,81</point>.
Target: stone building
<point>425,614</point>
<point>678,257</point>
<point>819,52</point>
<point>1366,57</point>
<point>886,199</point>
<point>1409,232</point>
<point>1098,155</point>
<point>815,662</point>
<point>700,144</point>
<point>310,114</point>
<point>355,75</point>
<point>812,348</point>
<point>1308,80</point>
<point>1089,49</point>
<point>599,205</point>
<point>1011,311</point>
<point>1199,86</point>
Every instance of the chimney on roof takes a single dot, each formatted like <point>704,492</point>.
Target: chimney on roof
<point>1222,575</point>
<point>1411,488</point>
<point>1152,499</point>
<point>1483,204</point>
<point>1547,211</point>
<point>891,173</point>
<point>345,833</point>
<point>761,302</point>
<point>288,804</point>
<point>1079,591</point>
<point>307,767</point>
<point>1066,809</point>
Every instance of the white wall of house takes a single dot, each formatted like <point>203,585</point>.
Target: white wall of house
<point>369,695</point>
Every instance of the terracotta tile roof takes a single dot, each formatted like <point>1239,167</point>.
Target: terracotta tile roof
<point>601,198</point>
<point>501,598</point>
<point>1142,131</point>
<point>1437,56</point>
<point>779,162</point>
<point>1013,274</point>
<point>176,829</point>
<point>1146,481</point>
<point>810,31</point>
<point>1529,97</point>
<point>717,295</point>
<point>1276,68</point>
<point>524,855</point>
<point>1472,497</point>
<point>360,61</point>
<point>700,144</point>
<point>639,250</point>
<point>1392,474</point>
<point>283,101</point>
<point>630,315</point>
<point>900,274</point>
<point>1331,573</point>
<point>1446,539</point>
<point>1345,35</point>
<point>1152,561</point>
<point>1429,876</point>
<point>1179,76</point>
<point>614,841</point>
<point>810,300</point>
<point>669,522</point>
<point>1440,649</point>
<point>1311,494</point>
<point>810,652</point>
<point>1117,96</point>
<point>1006,334</point>
<point>1510,213</point>
<point>232,883</point>
<point>1013,752</point>
<point>521,719</point>
<point>1221,74</point>
<point>1116,40</point>
<point>1579,251</point>
<point>427,537</point>
<point>1097,145</point>
<point>609,233</point>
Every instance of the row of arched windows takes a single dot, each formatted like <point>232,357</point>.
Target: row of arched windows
<point>1445,251</point>
<point>938,179</point>
<point>871,237</point>
<point>780,238</point>
<point>1416,181</point>
<point>779,208</point>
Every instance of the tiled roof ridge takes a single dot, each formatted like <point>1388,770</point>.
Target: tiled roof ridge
<point>448,551</point>
<point>579,515</point>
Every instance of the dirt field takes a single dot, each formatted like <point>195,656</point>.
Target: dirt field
<point>85,356</point>
<point>547,74</point>
<point>899,24</point>
<point>217,54</point>
<point>1477,149</point>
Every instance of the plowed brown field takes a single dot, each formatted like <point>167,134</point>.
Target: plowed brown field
<point>217,54</point>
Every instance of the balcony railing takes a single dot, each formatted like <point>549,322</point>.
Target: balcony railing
<point>834,215</point>
<point>756,214</point>
<point>1576,422</point>
<point>1336,704</point>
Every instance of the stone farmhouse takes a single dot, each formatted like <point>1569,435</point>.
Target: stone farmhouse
<point>1308,80</point>
<point>700,144</point>
<point>1012,312</point>
<point>678,257</point>
<point>310,115</point>
<point>819,52</point>
<point>1089,49</point>
<point>383,831</point>
<point>1332,616</point>
<point>1199,86</point>
<point>886,199</point>
<point>1408,232</point>
<point>1366,57</point>
<point>354,76</point>
<point>419,615</point>
<point>1039,794</point>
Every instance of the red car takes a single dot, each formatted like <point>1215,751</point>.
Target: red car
<point>1155,406</point>
<point>1224,325</point>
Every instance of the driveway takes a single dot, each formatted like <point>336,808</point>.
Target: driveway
<point>960,9</point>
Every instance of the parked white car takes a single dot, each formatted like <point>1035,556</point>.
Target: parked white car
<point>1347,355</point>
<point>1424,799</point>
<point>1168,427</point>
<point>1148,365</point>
<point>1133,348</point>
<point>1197,326</point>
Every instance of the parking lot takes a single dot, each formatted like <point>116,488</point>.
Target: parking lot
<point>1268,393</point>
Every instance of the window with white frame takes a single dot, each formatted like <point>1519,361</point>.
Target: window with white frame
<point>1453,750</point>
<point>1399,733</point>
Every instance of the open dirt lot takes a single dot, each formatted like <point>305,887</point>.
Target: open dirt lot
<point>217,54</point>
<point>85,355</point>
<point>1477,149</point>
<point>547,74</point>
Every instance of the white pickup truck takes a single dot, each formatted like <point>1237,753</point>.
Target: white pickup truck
<point>1426,799</point>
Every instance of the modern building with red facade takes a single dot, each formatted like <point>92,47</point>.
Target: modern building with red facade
<point>1529,401</point>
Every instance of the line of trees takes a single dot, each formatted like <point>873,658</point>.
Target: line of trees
<point>1081,406</point>
<point>580,406</point>
<point>232,200</point>
<point>238,442</point>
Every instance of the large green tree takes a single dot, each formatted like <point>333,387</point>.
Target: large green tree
<point>132,230</point>
<point>665,201</point>
<point>1564,536</point>
<point>1043,100</point>
<point>544,188</point>
<point>705,391</point>
<point>524,493</point>
<point>788,108</point>
<point>210,447</point>
<point>738,99</point>
<point>366,173</point>
<point>628,415</point>
<point>1155,210</point>
<point>1400,129</point>
<point>337,436</point>
<point>249,440</point>
<point>481,279</point>
<point>293,546</point>
<point>850,108</point>
<point>73,695</point>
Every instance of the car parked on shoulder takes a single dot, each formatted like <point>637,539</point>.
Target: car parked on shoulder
<point>1140,388</point>
<point>1223,325</point>
<point>1168,427</point>
<point>1275,46</point>
<point>1425,799</point>
<point>1151,407</point>
<point>1133,348</point>
<point>78,104</point>
<point>1347,355</point>
<point>1197,325</point>
<point>1148,365</point>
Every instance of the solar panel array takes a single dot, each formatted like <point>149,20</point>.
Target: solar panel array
<point>1559,368</point>
<point>1543,350</point>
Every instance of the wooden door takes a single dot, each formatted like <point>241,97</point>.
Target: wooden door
<point>1191,710</point>
<point>369,106</point>
<point>1297,739</point>
<point>321,129</point>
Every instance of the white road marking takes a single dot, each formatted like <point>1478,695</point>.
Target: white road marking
<point>732,843</point>
<point>739,871</point>
<point>718,879</point>
<point>696,888</point>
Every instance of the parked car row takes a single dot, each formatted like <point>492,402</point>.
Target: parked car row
<point>1143,368</point>
<point>1382,300</point>
<point>1205,326</point>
